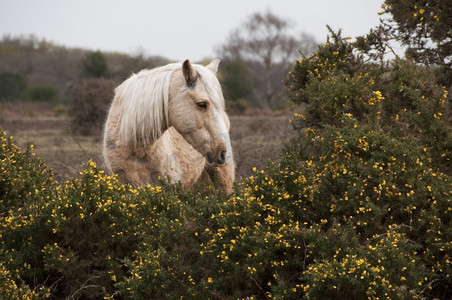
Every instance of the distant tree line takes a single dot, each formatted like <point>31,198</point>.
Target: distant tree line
<point>29,61</point>
<point>14,88</point>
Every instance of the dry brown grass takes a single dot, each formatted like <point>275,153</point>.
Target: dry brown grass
<point>256,138</point>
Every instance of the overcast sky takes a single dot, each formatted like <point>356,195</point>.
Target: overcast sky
<point>175,29</point>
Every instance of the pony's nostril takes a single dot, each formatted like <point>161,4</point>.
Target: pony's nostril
<point>218,160</point>
<point>223,156</point>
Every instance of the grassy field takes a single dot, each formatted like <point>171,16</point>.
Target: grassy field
<point>256,138</point>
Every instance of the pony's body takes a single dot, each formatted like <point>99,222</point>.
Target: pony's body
<point>170,122</point>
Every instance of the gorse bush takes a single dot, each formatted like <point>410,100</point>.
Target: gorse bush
<point>384,220</point>
<point>424,112</point>
<point>333,81</point>
<point>21,174</point>
<point>398,96</point>
<point>359,206</point>
<point>382,138</point>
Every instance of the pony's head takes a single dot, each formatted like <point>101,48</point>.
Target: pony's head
<point>185,96</point>
<point>196,111</point>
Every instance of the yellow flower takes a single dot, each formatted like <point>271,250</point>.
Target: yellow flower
<point>378,95</point>
<point>300,116</point>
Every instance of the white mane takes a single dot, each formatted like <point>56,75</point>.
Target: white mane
<point>144,102</point>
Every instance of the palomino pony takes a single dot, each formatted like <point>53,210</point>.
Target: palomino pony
<point>170,122</point>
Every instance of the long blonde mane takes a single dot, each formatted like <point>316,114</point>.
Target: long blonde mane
<point>144,102</point>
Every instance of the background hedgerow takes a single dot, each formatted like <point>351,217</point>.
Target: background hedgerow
<point>359,206</point>
<point>42,93</point>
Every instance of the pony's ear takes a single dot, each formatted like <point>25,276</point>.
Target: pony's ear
<point>213,66</point>
<point>189,73</point>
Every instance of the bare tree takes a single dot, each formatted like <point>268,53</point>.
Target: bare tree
<point>265,45</point>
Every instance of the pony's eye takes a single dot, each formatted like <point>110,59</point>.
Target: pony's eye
<point>202,105</point>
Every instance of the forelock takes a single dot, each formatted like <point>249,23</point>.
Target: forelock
<point>212,86</point>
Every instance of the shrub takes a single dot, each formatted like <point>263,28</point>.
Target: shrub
<point>12,87</point>
<point>89,103</point>
<point>21,174</point>
<point>375,140</point>
<point>42,93</point>
<point>237,80</point>
<point>417,106</point>
<point>333,81</point>
<point>397,96</point>
<point>94,65</point>
<point>238,106</point>
<point>370,188</point>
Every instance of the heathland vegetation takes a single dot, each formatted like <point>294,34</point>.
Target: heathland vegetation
<point>358,206</point>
